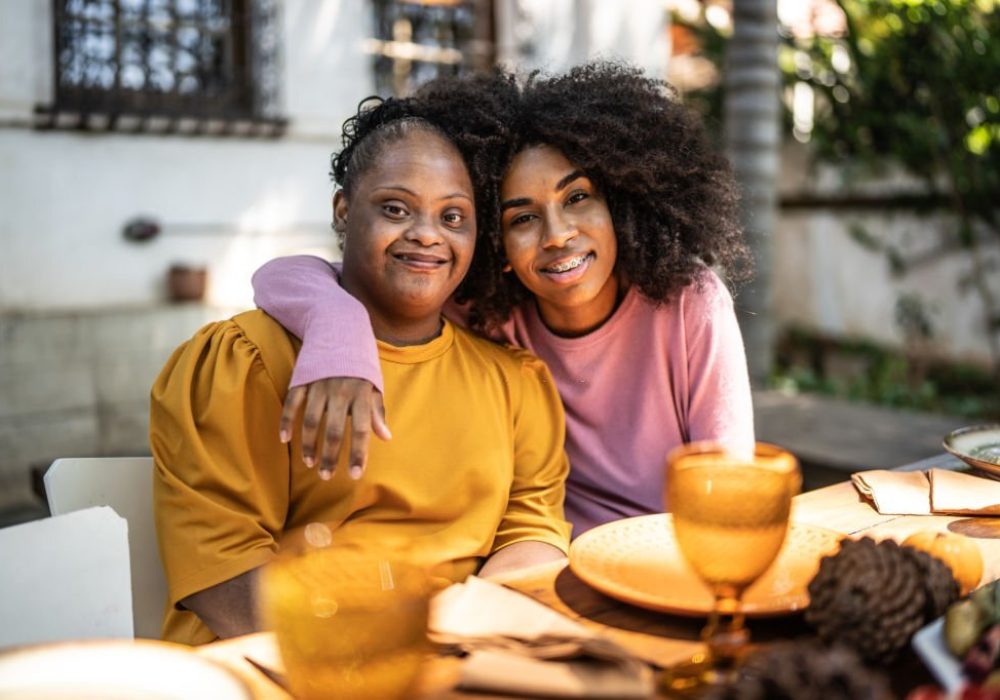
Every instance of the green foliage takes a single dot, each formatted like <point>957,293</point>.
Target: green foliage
<point>916,82</point>
<point>807,362</point>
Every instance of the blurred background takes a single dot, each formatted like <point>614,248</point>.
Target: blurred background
<point>153,153</point>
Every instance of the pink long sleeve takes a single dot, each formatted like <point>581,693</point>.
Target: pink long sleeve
<point>720,406</point>
<point>303,294</point>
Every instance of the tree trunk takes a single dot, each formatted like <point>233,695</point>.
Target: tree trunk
<point>752,128</point>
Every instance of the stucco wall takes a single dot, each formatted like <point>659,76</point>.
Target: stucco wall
<point>827,281</point>
<point>228,203</point>
<point>84,325</point>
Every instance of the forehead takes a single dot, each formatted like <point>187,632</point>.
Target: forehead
<point>536,166</point>
<point>418,156</point>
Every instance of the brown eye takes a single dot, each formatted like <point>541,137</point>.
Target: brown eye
<point>453,218</point>
<point>521,219</point>
<point>393,211</point>
<point>578,196</point>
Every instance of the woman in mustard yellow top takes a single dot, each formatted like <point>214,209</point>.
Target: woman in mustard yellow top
<point>476,467</point>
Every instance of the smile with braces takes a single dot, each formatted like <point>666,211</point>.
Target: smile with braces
<point>568,264</point>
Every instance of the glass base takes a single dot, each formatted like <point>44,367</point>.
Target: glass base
<point>725,646</point>
<point>689,679</point>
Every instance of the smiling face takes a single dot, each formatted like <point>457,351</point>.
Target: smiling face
<point>410,231</point>
<point>559,239</point>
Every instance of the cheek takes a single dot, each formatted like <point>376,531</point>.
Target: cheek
<point>517,248</point>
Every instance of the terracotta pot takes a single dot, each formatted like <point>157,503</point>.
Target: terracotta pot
<point>187,283</point>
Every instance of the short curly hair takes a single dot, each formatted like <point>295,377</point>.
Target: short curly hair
<point>672,196</point>
<point>474,114</point>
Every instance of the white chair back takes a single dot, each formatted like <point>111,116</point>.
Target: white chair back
<point>65,577</point>
<point>125,484</point>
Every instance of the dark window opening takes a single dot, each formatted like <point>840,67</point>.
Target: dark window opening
<point>184,65</point>
<point>417,40</point>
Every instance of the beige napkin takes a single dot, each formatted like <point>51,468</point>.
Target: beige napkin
<point>519,646</point>
<point>934,491</point>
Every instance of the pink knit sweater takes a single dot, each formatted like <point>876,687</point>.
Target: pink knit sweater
<point>652,377</point>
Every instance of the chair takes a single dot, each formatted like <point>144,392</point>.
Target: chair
<point>125,484</point>
<point>65,577</point>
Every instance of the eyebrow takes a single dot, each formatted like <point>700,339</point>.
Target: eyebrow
<point>407,190</point>
<point>522,201</point>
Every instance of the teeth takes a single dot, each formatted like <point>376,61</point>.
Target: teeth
<point>568,264</point>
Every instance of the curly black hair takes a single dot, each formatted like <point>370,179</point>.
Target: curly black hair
<point>672,196</point>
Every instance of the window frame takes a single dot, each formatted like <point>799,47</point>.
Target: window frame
<point>243,107</point>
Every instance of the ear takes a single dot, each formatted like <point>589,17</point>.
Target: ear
<point>340,207</point>
<point>506,267</point>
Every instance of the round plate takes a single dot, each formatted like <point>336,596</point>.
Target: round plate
<point>636,560</point>
<point>115,670</point>
<point>977,446</point>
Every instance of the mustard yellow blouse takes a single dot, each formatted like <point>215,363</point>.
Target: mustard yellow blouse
<point>476,462</point>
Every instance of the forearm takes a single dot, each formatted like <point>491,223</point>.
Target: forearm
<point>228,608</point>
<point>519,556</point>
<point>304,295</point>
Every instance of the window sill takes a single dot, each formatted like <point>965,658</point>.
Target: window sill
<point>52,118</point>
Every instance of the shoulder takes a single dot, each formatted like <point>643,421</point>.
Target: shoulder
<point>247,343</point>
<point>705,298</point>
<point>507,359</point>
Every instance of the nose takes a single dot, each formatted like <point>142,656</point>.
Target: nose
<point>424,232</point>
<point>558,230</point>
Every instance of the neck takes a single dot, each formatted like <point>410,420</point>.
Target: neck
<point>576,321</point>
<point>403,333</point>
<point>392,328</point>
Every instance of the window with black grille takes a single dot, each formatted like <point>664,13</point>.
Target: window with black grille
<point>166,65</point>
<point>417,40</point>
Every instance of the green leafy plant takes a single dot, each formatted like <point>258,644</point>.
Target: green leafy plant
<point>916,84</point>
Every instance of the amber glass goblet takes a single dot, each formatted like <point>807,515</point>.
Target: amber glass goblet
<point>730,517</point>
<point>349,624</point>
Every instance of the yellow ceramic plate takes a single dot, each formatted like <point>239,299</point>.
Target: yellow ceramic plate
<point>636,560</point>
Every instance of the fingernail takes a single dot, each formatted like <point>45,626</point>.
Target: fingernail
<point>325,474</point>
<point>284,436</point>
<point>310,462</point>
<point>356,472</point>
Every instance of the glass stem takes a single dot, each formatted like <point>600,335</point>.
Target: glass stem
<point>725,635</point>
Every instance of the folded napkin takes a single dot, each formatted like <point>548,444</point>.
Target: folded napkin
<point>519,646</point>
<point>935,491</point>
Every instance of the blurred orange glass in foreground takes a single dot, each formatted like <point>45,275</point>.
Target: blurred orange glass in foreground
<point>730,517</point>
<point>349,623</point>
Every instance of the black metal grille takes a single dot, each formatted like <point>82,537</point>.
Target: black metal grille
<point>199,60</point>
<point>417,41</point>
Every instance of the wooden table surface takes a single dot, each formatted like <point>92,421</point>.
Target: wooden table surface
<point>659,638</point>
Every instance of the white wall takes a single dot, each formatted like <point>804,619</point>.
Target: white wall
<point>826,281</point>
<point>554,35</point>
<point>230,203</point>
<point>84,325</point>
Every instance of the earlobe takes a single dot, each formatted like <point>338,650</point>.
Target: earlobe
<point>506,267</point>
<point>340,207</point>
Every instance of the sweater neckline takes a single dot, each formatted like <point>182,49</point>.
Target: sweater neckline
<point>414,354</point>
<point>598,335</point>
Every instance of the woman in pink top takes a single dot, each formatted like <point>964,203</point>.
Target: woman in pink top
<point>608,207</point>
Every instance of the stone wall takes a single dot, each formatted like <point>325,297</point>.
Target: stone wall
<point>77,384</point>
<point>827,281</point>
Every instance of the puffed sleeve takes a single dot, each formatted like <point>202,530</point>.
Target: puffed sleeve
<point>535,508</point>
<point>303,293</point>
<point>221,479</point>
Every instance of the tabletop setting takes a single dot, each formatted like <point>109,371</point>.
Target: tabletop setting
<point>876,587</point>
